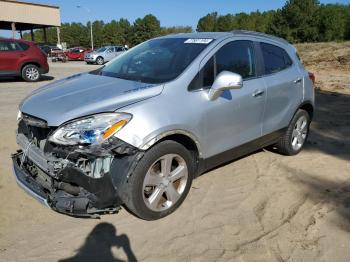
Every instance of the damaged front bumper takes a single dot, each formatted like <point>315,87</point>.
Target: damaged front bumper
<point>64,187</point>
<point>26,182</point>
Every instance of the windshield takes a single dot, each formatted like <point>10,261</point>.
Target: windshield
<point>156,61</point>
<point>101,49</point>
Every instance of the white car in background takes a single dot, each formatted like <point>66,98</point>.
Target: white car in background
<point>104,54</point>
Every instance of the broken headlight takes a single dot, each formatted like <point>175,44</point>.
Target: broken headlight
<point>89,130</point>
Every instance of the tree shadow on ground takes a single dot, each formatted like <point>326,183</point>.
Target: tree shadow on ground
<point>19,79</point>
<point>330,129</point>
<point>99,243</point>
<point>330,192</point>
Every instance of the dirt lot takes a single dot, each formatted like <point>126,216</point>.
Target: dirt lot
<point>264,207</point>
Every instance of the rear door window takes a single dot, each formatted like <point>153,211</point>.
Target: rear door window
<point>236,57</point>
<point>275,58</point>
<point>8,46</point>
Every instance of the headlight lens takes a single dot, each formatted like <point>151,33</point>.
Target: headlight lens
<point>90,130</point>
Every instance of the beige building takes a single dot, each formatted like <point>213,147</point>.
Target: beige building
<point>21,16</point>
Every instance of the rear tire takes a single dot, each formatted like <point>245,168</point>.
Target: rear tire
<point>151,192</point>
<point>292,142</point>
<point>31,73</point>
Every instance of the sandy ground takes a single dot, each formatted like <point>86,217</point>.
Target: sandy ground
<point>263,207</point>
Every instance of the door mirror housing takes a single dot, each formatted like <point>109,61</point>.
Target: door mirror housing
<point>225,81</point>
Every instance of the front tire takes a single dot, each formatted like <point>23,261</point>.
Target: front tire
<point>292,142</point>
<point>31,73</point>
<point>99,60</point>
<point>160,181</point>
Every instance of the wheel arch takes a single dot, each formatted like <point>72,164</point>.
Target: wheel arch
<point>308,107</point>
<point>30,63</point>
<point>100,56</point>
<point>182,137</point>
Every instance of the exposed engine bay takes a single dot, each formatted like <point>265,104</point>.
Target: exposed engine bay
<point>79,180</point>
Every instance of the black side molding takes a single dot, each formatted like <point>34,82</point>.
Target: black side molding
<point>237,152</point>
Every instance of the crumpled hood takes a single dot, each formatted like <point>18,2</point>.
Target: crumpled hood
<point>84,94</point>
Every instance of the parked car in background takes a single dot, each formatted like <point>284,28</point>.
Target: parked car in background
<point>77,53</point>
<point>49,49</point>
<point>104,54</point>
<point>22,58</point>
<point>139,130</point>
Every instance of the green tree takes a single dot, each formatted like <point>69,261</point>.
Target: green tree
<point>347,25</point>
<point>333,20</point>
<point>144,29</point>
<point>98,33</point>
<point>226,23</point>
<point>302,20</point>
<point>208,23</point>
<point>175,30</point>
<point>75,34</point>
<point>279,26</point>
<point>124,30</point>
<point>110,33</point>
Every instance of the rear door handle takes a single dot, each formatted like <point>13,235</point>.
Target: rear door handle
<point>297,81</point>
<point>258,93</point>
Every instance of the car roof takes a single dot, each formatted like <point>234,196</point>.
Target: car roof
<point>219,35</point>
<point>211,35</point>
<point>107,46</point>
<point>16,40</point>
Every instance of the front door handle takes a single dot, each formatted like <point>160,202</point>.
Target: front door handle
<point>258,93</point>
<point>297,81</point>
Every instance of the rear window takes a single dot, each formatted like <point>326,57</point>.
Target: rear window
<point>24,46</point>
<point>275,58</point>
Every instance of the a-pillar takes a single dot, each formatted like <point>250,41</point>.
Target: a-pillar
<point>32,34</point>
<point>45,35</point>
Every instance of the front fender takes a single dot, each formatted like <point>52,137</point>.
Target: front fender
<point>151,139</point>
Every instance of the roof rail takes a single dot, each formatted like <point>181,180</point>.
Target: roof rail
<point>252,33</point>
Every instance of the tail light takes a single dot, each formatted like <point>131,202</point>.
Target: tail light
<point>312,77</point>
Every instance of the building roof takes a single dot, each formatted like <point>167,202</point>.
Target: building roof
<point>28,15</point>
<point>31,3</point>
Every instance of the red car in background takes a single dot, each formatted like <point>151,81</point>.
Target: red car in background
<point>22,58</point>
<point>77,53</point>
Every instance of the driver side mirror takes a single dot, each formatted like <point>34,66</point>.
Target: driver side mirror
<point>224,81</point>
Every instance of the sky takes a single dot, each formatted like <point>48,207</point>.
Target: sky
<point>169,12</point>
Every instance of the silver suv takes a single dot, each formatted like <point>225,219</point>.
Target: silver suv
<point>104,54</point>
<point>138,130</point>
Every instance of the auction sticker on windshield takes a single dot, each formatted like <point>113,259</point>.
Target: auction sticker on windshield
<point>198,41</point>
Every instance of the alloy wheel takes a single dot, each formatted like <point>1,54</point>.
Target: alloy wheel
<point>99,61</point>
<point>165,182</point>
<point>32,73</point>
<point>299,133</point>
